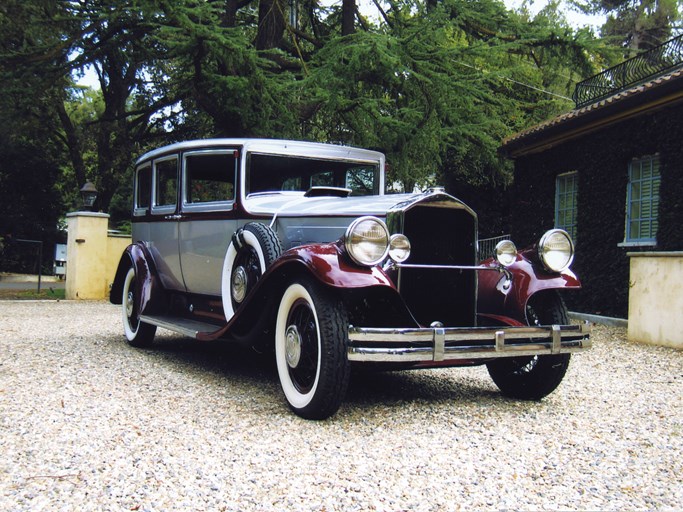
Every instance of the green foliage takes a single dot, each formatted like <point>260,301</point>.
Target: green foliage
<point>30,159</point>
<point>436,86</point>
<point>636,24</point>
<point>438,90</point>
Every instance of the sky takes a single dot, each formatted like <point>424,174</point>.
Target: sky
<point>576,19</point>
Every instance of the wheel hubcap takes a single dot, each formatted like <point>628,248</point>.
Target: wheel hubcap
<point>129,304</point>
<point>239,284</point>
<point>292,346</point>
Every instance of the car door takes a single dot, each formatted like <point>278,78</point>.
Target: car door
<point>163,228</point>
<point>209,179</point>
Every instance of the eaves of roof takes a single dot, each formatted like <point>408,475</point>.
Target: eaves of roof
<point>657,93</point>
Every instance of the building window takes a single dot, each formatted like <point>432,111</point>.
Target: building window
<point>566,190</point>
<point>642,201</point>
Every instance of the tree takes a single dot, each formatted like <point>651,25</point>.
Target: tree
<point>636,24</point>
<point>437,88</point>
<point>434,84</point>
<point>30,161</point>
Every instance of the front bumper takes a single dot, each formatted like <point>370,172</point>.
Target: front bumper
<point>415,345</point>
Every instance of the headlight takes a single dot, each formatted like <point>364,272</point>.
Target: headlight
<point>399,248</point>
<point>367,241</point>
<point>556,250</point>
<point>506,252</point>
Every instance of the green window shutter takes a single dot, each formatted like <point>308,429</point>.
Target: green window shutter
<point>642,200</point>
<point>566,191</point>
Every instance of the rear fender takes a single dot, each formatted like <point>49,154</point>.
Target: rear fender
<point>150,294</point>
<point>495,302</point>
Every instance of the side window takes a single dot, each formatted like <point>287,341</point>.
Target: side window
<point>209,178</point>
<point>362,180</point>
<point>642,201</point>
<point>566,192</point>
<point>165,183</point>
<point>323,179</point>
<point>143,189</point>
<point>293,184</point>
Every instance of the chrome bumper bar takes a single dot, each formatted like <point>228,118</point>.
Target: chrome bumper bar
<point>386,345</point>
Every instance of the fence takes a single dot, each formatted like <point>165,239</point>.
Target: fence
<point>21,256</point>
<point>649,64</point>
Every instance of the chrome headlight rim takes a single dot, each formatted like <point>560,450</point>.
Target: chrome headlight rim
<point>543,250</point>
<point>351,247</point>
<point>506,253</point>
<point>399,247</point>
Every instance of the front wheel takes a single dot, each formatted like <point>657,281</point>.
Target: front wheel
<point>138,334</point>
<point>534,377</point>
<point>310,349</point>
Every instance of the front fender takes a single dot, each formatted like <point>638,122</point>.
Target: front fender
<point>324,262</point>
<point>331,267</point>
<point>149,290</point>
<point>527,279</point>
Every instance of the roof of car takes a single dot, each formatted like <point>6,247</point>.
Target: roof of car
<point>272,146</point>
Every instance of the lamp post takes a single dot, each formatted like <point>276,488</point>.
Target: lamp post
<point>89,194</point>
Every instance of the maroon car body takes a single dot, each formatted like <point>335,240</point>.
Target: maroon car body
<point>296,247</point>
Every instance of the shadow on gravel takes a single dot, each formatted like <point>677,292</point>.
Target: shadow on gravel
<point>367,389</point>
<point>424,385</point>
<point>223,359</point>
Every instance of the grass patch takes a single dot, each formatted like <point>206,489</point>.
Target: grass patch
<point>46,293</point>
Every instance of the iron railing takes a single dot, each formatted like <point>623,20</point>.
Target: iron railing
<point>649,64</point>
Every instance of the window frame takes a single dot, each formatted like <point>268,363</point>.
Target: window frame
<point>655,164</point>
<point>161,209</point>
<point>573,231</point>
<point>140,211</point>
<point>208,206</point>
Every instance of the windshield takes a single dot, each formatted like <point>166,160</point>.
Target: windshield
<point>269,173</point>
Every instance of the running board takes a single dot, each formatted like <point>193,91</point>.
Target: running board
<point>184,326</point>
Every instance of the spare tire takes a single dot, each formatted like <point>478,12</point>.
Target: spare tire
<point>252,250</point>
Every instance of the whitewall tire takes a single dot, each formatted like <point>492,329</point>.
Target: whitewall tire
<point>138,334</point>
<point>310,349</point>
<point>252,250</point>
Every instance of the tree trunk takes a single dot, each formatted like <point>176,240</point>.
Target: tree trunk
<point>271,24</point>
<point>73,143</point>
<point>348,17</point>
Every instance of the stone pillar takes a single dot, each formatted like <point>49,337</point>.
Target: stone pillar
<point>86,276</point>
<point>655,301</point>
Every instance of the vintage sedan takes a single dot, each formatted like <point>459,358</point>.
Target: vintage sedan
<point>294,247</point>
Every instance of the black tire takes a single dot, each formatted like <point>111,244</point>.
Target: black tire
<point>138,334</point>
<point>534,377</point>
<point>310,349</point>
<point>252,250</point>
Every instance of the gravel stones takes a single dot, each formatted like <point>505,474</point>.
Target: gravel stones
<point>89,423</point>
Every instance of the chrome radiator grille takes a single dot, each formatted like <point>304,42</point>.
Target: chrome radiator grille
<point>440,236</point>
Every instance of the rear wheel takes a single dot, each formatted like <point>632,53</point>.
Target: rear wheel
<point>534,377</point>
<point>310,349</point>
<point>138,334</point>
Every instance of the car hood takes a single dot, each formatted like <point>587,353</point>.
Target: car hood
<point>294,204</point>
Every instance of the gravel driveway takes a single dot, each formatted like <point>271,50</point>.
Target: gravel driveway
<point>88,423</point>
